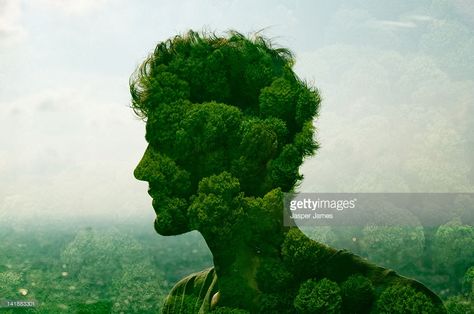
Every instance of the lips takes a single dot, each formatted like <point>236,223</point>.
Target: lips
<point>152,189</point>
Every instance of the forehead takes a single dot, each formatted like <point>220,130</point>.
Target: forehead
<point>204,122</point>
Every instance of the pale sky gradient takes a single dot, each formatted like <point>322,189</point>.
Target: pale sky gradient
<point>402,72</point>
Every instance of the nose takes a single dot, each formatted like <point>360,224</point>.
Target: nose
<point>140,172</point>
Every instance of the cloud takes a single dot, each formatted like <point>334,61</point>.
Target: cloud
<point>73,7</point>
<point>389,122</point>
<point>67,151</point>
<point>421,18</point>
<point>392,24</point>
<point>11,28</point>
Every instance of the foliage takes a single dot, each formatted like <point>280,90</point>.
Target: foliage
<point>143,281</point>
<point>459,305</point>
<point>92,253</point>
<point>9,281</point>
<point>138,289</point>
<point>272,276</point>
<point>468,280</point>
<point>216,104</point>
<point>218,206</point>
<point>400,244</point>
<point>228,310</point>
<point>321,234</point>
<point>450,251</point>
<point>451,240</point>
<point>321,296</point>
<point>281,302</point>
<point>229,123</point>
<point>113,269</point>
<point>302,253</point>
<point>229,118</point>
<point>404,299</point>
<point>264,218</point>
<point>99,307</point>
<point>357,294</point>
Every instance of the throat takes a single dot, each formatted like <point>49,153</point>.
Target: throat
<point>236,269</point>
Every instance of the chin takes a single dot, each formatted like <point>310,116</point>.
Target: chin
<point>167,229</point>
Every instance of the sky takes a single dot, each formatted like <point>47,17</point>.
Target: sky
<point>396,78</point>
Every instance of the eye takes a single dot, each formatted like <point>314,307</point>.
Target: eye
<point>151,141</point>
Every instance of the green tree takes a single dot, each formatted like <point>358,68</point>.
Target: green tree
<point>357,294</point>
<point>93,260</point>
<point>138,289</point>
<point>451,255</point>
<point>323,296</point>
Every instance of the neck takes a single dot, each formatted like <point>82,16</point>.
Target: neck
<point>236,265</point>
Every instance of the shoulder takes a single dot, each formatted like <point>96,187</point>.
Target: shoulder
<point>192,293</point>
<point>390,287</point>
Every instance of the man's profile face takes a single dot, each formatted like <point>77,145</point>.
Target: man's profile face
<point>219,109</point>
<point>181,152</point>
<point>162,174</point>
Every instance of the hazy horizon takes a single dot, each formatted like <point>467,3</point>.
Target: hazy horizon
<point>397,82</point>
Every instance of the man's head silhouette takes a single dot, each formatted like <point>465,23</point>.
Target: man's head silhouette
<point>217,105</point>
<point>228,124</point>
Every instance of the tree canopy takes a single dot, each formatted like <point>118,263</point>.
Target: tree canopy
<point>232,103</point>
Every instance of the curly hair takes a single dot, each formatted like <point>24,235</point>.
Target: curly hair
<point>226,70</point>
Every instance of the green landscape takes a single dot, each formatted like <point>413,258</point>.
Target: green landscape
<point>395,84</point>
<point>95,268</point>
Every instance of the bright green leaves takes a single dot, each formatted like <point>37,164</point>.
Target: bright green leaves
<point>227,104</point>
<point>259,144</point>
<point>163,87</point>
<point>279,100</point>
<point>451,254</point>
<point>400,299</point>
<point>468,280</point>
<point>264,217</point>
<point>289,100</point>
<point>205,73</point>
<point>215,85</point>
<point>170,189</point>
<point>223,184</point>
<point>451,241</point>
<point>217,208</point>
<point>211,126</point>
<point>162,171</point>
<point>198,137</point>
<point>171,215</point>
<point>316,297</point>
<point>208,135</point>
<point>259,72</point>
<point>283,170</point>
<point>307,105</point>
<point>303,254</point>
<point>163,127</point>
<point>304,142</point>
<point>228,123</point>
<point>211,137</point>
